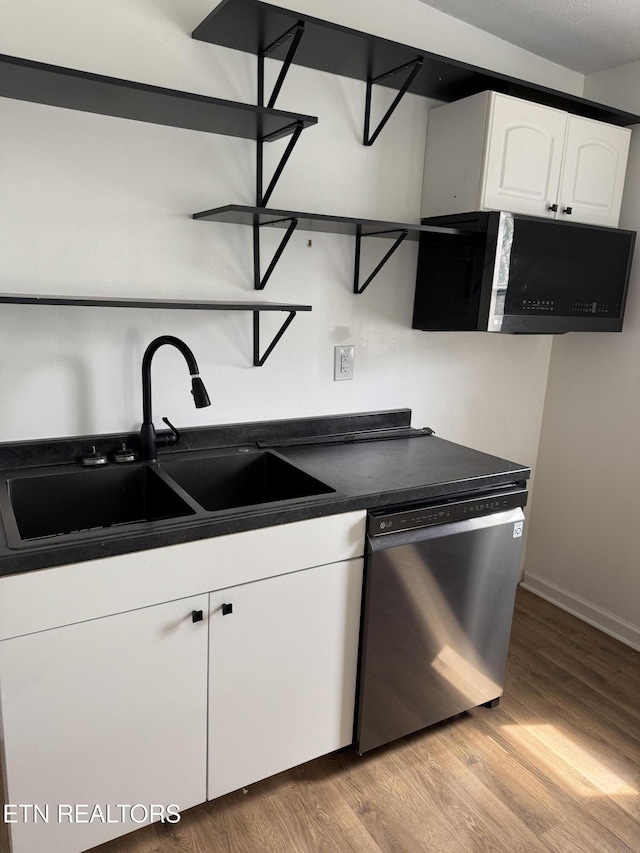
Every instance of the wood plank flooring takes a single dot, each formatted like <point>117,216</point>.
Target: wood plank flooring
<point>555,768</point>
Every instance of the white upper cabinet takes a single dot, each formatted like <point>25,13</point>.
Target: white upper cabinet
<point>495,152</point>
<point>522,157</point>
<point>594,166</point>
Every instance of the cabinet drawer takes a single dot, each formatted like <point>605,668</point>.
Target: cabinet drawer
<point>37,601</point>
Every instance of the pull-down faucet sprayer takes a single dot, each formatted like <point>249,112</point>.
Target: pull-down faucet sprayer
<point>149,441</point>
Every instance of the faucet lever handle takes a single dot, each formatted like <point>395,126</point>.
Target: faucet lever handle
<point>175,438</point>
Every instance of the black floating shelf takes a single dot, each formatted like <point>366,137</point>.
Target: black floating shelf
<point>259,217</point>
<point>238,214</point>
<point>252,26</point>
<point>116,302</point>
<point>256,308</point>
<point>41,83</point>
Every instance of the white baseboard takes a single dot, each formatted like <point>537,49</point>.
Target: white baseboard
<point>602,619</point>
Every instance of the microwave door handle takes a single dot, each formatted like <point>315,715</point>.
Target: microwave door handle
<point>477,261</point>
<point>468,293</point>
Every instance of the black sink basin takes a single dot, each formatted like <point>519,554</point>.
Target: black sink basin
<point>79,501</point>
<point>225,482</point>
<point>74,505</point>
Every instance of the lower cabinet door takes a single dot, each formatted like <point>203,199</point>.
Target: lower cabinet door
<point>104,725</point>
<point>282,672</point>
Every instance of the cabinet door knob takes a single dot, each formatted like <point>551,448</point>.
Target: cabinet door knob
<point>197,615</point>
<point>226,609</point>
<point>568,210</point>
<point>553,208</point>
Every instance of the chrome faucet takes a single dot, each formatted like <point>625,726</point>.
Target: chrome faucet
<point>149,441</point>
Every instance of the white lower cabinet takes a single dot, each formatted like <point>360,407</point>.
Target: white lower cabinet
<point>125,691</point>
<point>101,715</point>
<point>282,672</point>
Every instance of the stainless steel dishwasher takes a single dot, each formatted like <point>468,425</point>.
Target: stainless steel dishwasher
<point>439,592</point>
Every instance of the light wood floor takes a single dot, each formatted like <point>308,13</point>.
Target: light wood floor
<point>556,767</point>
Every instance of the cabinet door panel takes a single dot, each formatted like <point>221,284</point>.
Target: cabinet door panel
<point>523,157</point>
<point>593,173</point>
<point>282,672</point>
<point>106,712</point>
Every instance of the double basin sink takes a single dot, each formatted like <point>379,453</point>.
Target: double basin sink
<point>82,503</point>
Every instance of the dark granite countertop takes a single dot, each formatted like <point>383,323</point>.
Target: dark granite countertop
<point>363,475</point>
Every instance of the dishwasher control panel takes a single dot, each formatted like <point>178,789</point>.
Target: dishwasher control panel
<point>381,522</point>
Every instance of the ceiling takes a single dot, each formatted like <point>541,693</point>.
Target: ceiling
<point>584,35</point>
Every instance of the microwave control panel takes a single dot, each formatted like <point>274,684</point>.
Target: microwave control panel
<point>566,308</point>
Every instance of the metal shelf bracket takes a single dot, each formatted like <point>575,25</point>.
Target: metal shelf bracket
<point>259,360</point>
<point>357,287</point>
<point>413,68</point>
<point>259,282</point>
<point>295,34</point>
<point>263,198</point>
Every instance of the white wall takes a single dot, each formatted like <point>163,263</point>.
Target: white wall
<point>583,549</point>
<point>97,205</point>
<point>616,86</point>
<point>414,23</point>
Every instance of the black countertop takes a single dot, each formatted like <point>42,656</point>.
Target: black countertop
<point>364,475</point>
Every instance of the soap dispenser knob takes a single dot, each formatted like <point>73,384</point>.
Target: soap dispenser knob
<point>125,454</point>
<point>94,458</point>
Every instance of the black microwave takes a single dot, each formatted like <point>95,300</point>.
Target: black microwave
<point>508,273</point>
